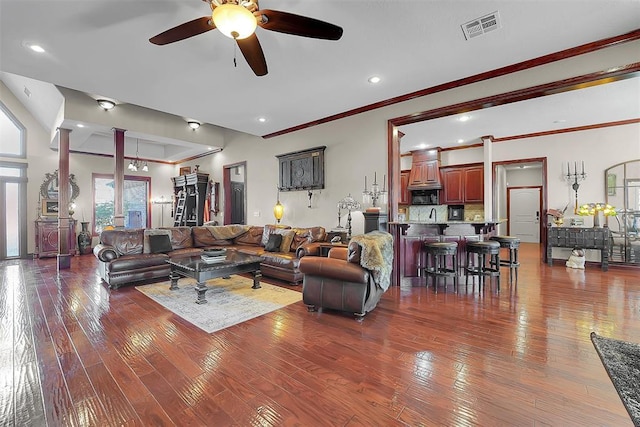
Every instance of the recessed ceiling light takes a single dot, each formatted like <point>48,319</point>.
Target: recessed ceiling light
<point>374,79</point>
<point>80,125</point>
<point>460,141</point>
<point>464,118</point>
<point>423,145</point>
<point>209,148</point>
<point>262,119</point>
<point>106,104</point>
<point>36,48</point>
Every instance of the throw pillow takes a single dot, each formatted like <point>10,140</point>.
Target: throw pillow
<point>269,229</point>
<point>300,237</point>
<point>159,243</point>
<point>274,242</point>
<point>149,232</point>
<point>287,238</point>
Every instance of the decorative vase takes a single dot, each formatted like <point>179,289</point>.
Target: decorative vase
<point>84,239</point>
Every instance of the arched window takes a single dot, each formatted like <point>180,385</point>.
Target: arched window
<point>12,135</point>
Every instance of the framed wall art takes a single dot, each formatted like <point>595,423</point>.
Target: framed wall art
<point>49,207</point>
<point>185,170</point>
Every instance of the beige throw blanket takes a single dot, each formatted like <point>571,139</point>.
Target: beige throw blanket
<point>377,256</point>
<point>227,232</point>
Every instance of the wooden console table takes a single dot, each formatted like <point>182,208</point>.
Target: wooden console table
<point>585,238</point>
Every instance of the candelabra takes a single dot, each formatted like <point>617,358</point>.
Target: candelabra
<point>350,204</point>
<point>575,177</point>
<point>372,196</point>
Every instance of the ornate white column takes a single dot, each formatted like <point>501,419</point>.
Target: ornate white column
<point>488,176</point>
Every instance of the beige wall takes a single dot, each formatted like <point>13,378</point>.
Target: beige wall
<point>357,146</point>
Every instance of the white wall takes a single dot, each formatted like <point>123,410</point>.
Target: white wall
<point>599,148</point>
<point>40,158</point>
<point>521,177</point>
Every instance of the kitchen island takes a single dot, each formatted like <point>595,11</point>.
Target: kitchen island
<point>410,237</point>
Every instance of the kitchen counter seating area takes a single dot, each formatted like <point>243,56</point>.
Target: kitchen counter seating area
<point>411,236</point>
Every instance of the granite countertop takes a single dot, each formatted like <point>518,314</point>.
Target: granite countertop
<point>471,222</point>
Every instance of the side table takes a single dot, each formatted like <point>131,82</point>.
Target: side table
<point>326,247</point>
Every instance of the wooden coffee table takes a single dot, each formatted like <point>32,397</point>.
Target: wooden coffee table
<point>195,268</point>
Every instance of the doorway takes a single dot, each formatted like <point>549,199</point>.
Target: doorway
<point>520,197</point>
<point>234,182</point>
<point>524,206</point>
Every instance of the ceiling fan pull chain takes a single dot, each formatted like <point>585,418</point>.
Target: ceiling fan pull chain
<point>235,52</point>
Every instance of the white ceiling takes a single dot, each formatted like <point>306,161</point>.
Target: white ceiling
<point>605,103</point>
<point>102,48</point>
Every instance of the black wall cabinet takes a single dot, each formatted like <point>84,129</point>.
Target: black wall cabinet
<point>302,170</point>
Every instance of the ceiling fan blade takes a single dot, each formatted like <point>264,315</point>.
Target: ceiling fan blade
<point>284,22</point>
<point>184,31</point>
<point>252,52</point>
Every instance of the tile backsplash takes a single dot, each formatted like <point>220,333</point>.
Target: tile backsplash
<point>420,213</point>
<point>470,212</point>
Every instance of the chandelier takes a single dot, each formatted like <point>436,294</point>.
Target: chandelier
<point>137,163</point>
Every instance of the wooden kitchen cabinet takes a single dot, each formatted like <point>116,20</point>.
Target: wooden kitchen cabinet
<point>405,194</point>
<point>452,184</point>
<point>424,173</point>
<point>47,238</point>
<point>425,169</point>
<point>463,184</point>
<point>474,184</point>
<point>413,254</point>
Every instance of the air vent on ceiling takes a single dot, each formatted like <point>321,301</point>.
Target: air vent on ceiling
<point>482,25</point>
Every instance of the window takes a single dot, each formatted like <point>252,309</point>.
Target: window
<point>12,135</point>
<point>136,202</point>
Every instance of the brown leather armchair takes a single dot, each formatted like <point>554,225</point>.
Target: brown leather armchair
<point>339,282</point>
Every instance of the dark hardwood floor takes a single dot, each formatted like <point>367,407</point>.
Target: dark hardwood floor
<point>74,353</point>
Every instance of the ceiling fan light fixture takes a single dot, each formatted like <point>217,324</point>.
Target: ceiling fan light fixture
<point>234,21</point>
<point>106,104</point>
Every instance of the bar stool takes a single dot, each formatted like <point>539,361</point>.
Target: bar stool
<point>438,254</point>
<point>487,267</point>
<point>512,244</point>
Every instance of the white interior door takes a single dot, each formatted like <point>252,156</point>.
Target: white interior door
<point>524,214</point>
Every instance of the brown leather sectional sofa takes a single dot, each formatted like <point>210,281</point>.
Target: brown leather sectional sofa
<point>124,256</point>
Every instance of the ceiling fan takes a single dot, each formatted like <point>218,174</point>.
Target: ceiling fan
<point>238,20</point>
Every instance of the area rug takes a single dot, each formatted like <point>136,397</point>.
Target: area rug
<point>230,301</point>
<point>621,359</point>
